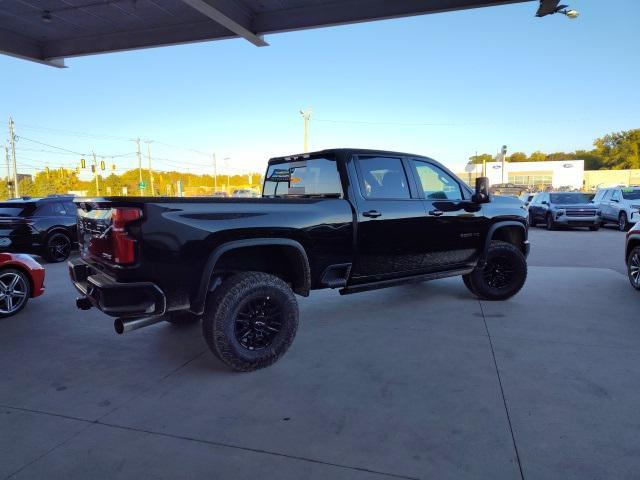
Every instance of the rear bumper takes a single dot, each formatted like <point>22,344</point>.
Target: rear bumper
<point>117,299</point>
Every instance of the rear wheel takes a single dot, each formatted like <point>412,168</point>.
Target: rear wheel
<point>623,222</point>
<point>532,220</point>
<point>250,320</point>
<point>15,290</point>
<point>57,248</point>
<point>501,274</point>
<point>633,268</point>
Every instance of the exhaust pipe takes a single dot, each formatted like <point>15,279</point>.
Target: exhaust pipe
<point>124,325</point>
<point>83,303</point>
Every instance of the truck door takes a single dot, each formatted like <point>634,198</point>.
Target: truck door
<point>457,227</point>
<point>391,219</point>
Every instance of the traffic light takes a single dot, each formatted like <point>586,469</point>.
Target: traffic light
<point>83,163</point>
<point>102,166</point>
<point>93,169</point>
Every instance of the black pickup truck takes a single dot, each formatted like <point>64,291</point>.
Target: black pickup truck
<point>345,218</point>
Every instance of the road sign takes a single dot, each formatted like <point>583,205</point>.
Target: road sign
<point>142,185</point>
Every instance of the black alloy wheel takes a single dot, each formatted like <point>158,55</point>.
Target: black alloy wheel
<point>258,321</point>
<point>250,320</point>
<point>498,272</point>
<point>58,248</point>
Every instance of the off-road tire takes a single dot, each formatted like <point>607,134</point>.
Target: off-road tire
<point>503,252</point>
<point>623,222</point>
<point>180,319</point>
<point>466,279</point>
<point>222,308</point>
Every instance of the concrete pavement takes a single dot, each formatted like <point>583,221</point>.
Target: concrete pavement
<point>420,381</point>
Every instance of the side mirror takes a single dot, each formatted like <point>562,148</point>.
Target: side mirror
<point>615,200</point>
<point>482,191</point>
<point>544,202</point>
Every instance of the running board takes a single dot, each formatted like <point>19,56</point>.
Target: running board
<point>404,280</point>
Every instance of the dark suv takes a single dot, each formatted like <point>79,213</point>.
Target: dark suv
<point>42,226</point>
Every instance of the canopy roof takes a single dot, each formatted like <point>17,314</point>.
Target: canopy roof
<point>47,31</point>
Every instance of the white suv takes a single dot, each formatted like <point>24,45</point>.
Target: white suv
<point>620,205</point>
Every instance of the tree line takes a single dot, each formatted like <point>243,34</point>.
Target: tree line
<point>615,151</point>
<point>64,180</point>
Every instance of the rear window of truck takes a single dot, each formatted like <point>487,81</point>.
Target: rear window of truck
<point>317,176</point>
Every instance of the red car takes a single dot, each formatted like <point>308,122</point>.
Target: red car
<point>21,278</point>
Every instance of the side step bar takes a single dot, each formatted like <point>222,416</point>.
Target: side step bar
<point>405,280</point>
<point>124,325</point>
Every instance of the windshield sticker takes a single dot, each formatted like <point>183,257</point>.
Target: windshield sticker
<point>280,175</point>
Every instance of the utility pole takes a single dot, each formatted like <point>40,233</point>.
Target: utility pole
<point>139,155</point>
<point>95,173</point>
<point>148,142</point>
<point>6,157</point>
<point>215,173</point>
<point>12,139</point>
<point>306,115</point>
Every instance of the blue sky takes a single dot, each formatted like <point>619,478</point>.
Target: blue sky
<point>441,85</point>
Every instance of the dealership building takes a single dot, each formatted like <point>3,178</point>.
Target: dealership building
<point>557,174</point>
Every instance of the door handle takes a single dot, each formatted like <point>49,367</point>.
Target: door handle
<point>372,214</point>
<point>436,213</point>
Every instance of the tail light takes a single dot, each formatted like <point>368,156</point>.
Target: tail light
<point>124,247</point>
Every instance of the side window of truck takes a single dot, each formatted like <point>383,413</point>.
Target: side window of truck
<point>436,183</point>
<point>383,178</point>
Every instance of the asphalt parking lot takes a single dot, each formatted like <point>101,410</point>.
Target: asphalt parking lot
<point>421,381</point>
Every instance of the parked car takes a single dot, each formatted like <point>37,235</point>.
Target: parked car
<point>526,198</point>
<point>619,205</point>
<point>632,255</point>
<point>568,209</point>
<point>220,194</point>
<point>244,193</point>
<point>41,226</point>
<point>21,278</point>
<point>352,219</point>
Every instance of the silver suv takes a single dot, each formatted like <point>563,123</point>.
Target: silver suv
<point>619,205</point>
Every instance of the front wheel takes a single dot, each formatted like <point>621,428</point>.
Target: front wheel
<point>250,320</point>
<point>594,228</point>
<point>501,274</point>
<point>633,268</point>
<point>551,225</point>
<point>532,220</point>
<point>623,222</point>
<point>15,291</point>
